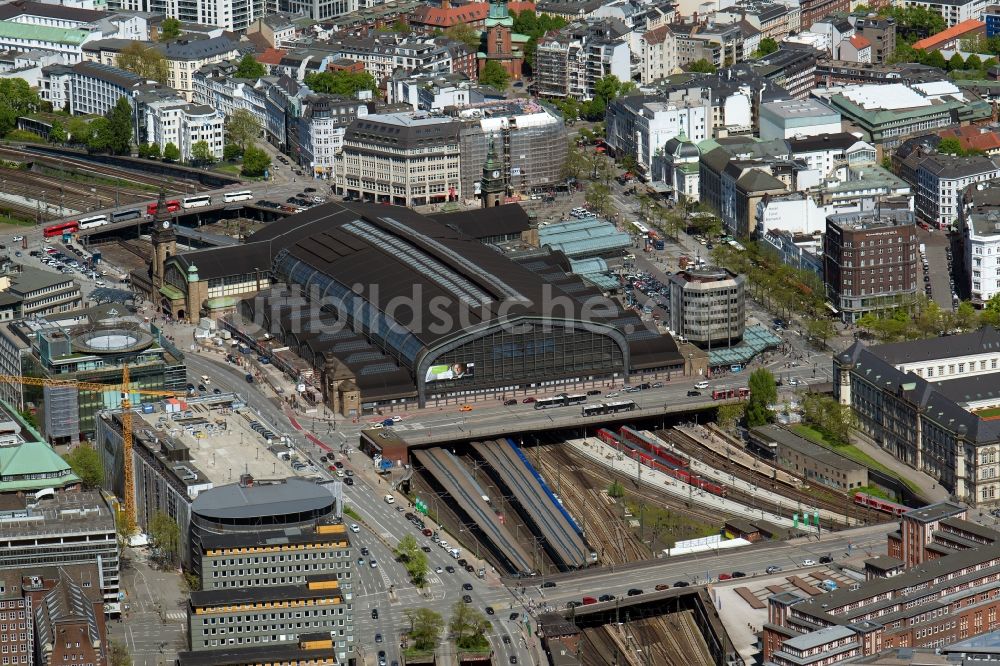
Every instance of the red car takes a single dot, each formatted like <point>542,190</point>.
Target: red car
<point>527,400</point>
<point>724,576</point>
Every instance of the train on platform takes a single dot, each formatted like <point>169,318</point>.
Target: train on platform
<point>654,454</point>
<point>879,504</point>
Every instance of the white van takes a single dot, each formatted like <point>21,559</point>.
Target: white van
<point>389,499</point>
<point>455,553</point>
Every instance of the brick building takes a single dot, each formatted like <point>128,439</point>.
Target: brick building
<point>870,263</point>
<point>949,591</point>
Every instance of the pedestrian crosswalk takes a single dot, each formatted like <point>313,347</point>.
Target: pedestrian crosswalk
<point>176,616</point>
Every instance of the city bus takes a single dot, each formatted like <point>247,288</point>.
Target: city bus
<point>197,202</point>
<point>123,215</point>
<point>609,408</point>
<point>245,195</point>
<point>62,228</point>
<point>560,401</point>
<point>93,221</point>
<point>173,205</point>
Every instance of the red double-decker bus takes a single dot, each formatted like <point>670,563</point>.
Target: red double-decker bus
<point>173,205</point>
<point>62,228</point>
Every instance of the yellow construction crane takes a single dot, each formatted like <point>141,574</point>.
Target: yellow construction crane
<point>123,388</point>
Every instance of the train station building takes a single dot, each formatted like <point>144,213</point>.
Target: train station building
<point>390,307</point>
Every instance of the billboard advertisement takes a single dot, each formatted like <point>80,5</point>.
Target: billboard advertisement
<point>452,371</point>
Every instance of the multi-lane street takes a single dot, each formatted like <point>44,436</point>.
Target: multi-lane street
<point>705,567</point>
<point>385,587</point>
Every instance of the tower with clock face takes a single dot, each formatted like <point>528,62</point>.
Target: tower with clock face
<point>492,187</point>
<point>164,241</point>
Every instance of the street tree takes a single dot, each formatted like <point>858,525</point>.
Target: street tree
<point>820,328</point>
<point>763,393</point>
<point>965,316</point>
<point>242,128</point>
<point>256,162</point>
<point>165,536</point>
<point>201,153</point>
<point>86,464</point>
<point>729,416</point>
<point>406,548</point>
<point>425,627</point>
<point>170,29</point>
<point>599,199</point>
<point>577,164</point>
<point>990,314</point>
<point>417,567</point>
<point>145,60</point>
<point>171,153</point>
<point>494,75</point>
<point>249,68</point>
<point>154,151</point>
<point>118,654</point>
<point>468,627</point>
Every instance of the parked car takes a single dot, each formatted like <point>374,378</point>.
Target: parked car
<point>634,592</point>
<point>508,403</point>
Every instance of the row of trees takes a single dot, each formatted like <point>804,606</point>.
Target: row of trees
<point>921,318</point>
<point>468,628</point>
<point>780,288</point>
<point>607,88</point>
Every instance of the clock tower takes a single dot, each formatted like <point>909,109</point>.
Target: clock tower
<point>492,187</point>
<point>164,241</point>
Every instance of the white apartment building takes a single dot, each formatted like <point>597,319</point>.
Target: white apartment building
<point>642,125</point>
<point>953,11</point>
<point>941,180</point>
<point>87,88</point>
<point>570,61</point>
<point>183,124</point>
<point>979,223</point>
<point>321,130</point>
<point>233,15</point>
<point>657,54</point>
<point>214,85</point>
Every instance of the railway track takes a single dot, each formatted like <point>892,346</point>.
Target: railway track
<point>558,458</point>
<point>84,166</point>
<point>617,544</point>
<point>820,498</point>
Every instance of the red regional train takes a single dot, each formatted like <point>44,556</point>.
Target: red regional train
<point>879,504</point>
<point>638,446</point>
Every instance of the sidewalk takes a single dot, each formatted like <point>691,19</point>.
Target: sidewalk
<point>929,488</point>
